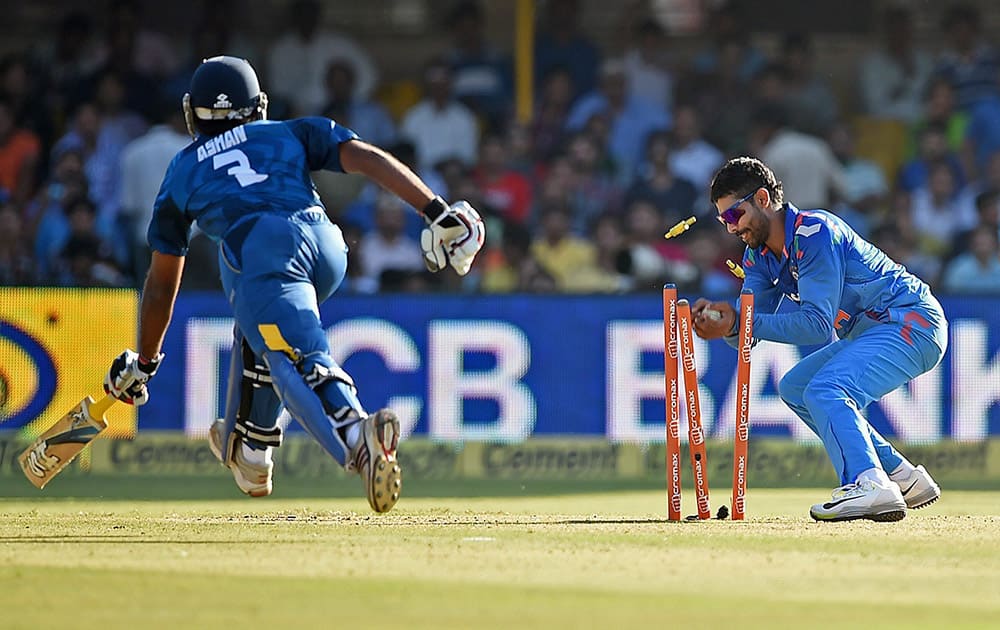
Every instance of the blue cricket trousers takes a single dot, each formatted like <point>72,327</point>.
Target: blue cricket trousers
<point>831,387</point>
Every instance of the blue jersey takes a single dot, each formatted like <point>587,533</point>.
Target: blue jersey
<point>262,167</point>
<point>839,280</point>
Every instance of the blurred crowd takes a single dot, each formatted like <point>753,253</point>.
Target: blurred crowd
<point>621,145</point>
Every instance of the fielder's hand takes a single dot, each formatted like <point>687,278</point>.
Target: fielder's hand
<point>126,380</point>
<point>713,320</point>
<point>454,235</point>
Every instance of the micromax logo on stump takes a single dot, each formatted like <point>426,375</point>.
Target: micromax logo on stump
<point>672,344</point>
<point>739,501</point>
<point>747,334</point>
<point>675,422</point>
<point>686,340</point>
<point>743,422</point>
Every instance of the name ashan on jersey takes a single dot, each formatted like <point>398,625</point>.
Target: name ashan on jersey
<point>222,142</point>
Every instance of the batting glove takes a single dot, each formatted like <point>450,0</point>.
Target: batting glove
<point>126,380</point>
<point>454,235</point>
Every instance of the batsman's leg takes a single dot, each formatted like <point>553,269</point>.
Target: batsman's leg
<point>244,438</point>
<point>283,270</point>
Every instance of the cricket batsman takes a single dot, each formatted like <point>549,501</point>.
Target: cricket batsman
<point>889,328</point>
<point>246,182</point>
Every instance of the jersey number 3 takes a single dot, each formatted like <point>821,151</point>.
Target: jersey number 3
<point>241,170</point>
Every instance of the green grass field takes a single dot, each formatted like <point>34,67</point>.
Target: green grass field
<point>552,560</point>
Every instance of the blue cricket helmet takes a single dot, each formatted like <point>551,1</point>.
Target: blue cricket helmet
<point>224,89</point>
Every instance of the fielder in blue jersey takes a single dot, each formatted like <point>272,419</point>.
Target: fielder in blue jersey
<point>246,182</point>
<point>889,328</point>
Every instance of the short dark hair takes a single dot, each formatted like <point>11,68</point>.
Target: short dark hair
<point>986,198</point>
<point>742,175</point>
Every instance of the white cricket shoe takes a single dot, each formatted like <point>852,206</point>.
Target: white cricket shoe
<point>374,457</point>
<point>252,478</point>
<point>918,488</point>
<point>862,499</point>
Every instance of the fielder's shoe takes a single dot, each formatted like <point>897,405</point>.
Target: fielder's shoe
<point>918,488</point>
<point>252,478</point>
<point>374,458</point>
<point>863,499</point>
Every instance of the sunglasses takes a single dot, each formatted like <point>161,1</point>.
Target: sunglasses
<point>733,213</point>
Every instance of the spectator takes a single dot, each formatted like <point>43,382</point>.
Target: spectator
<point>361,211</point>
<point>592,189</point>
<point>691,156</point>
<point>898,239</point>
<point>867,190</point>
<point>969,63</point>
<point>220,22</point>
<point>85,264</point>
<point>654,259</point>
<point>551,111</point>
<point>150,53</point>
<point>982,135</point>
<point>504,189</point>
<point>708,254</point>
<point>440,127</point>
<point>83,258</point>
<point>977,270</point>
<point>19,155</point>
<point>673,196</point>
<point>631,119</point>
<point>299,59</point>
<point>368,118</point>
<point>514,268</point>
<point>47,223</point>
<point>811,173</point>
<point>938,217</point>
<point>482,76</point>
<point>560,44</point>
<point>893,79</point>
<point>68,58</point>
<point>933,147</point>
<point>713,95</point>
<point>144,161</point>
<point>21,85</point>
<point>648,73</point>
<point>101,129</point>
<point>988,181</point>
<point>613,268</point>
<point>216,30</point>
<point>387,247</point>
<point>558,251</point>
<point>810,102</point>
<point>987,205</point>
<point>730,42</point>
<point>143,60</point>
<point>16,265</point>
<point>939,109</point>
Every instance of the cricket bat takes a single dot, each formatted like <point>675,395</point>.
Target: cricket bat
<point>56,448</point>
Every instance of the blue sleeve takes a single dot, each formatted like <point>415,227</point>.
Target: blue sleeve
<point>170,229</point>
<point>766,296</point>
<point>584,110</point>
<point>820,255</point>
<point>321,138</point>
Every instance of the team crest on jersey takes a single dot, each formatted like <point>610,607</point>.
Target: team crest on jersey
<point>222,102</point>
<point>794,270</point>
